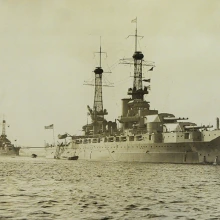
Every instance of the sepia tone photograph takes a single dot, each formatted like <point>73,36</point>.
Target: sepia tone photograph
<point>109,109</point>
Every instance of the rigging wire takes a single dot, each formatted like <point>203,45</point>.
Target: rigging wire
<point>122,81</point>
<point>96,61</point>
<point>139,44</point>
<point>106,82</point>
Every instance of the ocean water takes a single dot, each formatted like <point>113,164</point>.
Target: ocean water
<point>39,188</point>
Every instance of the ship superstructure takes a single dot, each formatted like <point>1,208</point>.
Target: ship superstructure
<point>145,135</point>
<point>135,108</point>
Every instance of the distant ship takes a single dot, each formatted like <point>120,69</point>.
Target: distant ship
<point>6,147</point>
<point>144,135</point>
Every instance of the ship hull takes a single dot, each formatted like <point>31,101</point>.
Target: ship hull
<point>181,153</point>
<point>12,152</point>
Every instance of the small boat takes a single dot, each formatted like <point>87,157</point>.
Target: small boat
<point>73,158</point>
<point>33,155</point>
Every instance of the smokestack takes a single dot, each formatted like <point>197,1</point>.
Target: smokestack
<point>217,123</point>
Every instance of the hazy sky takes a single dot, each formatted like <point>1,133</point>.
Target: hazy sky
<point>47,51</point>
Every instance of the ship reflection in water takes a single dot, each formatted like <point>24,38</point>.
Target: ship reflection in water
<point>61,189</point>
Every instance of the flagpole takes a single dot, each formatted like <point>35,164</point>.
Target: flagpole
<point>135,21</point>
<point>136,36</point>
<point>53,137</point>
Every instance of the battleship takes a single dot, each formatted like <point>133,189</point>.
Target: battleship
<point>144,135</point>
<point>6,147</point>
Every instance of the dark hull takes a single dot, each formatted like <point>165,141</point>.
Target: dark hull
<point>12,152</point>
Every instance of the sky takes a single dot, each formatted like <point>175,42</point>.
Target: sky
<point>47,52</point>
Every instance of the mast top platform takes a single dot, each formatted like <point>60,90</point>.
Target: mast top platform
<point>138,55</point>
<point>98,70</point>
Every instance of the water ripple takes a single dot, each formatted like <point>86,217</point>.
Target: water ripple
<point>37,188</point>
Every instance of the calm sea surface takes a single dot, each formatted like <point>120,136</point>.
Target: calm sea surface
<point>38,188</point>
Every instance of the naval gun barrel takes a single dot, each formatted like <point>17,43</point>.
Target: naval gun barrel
<point>174,118</point>
<point>197,126</point>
